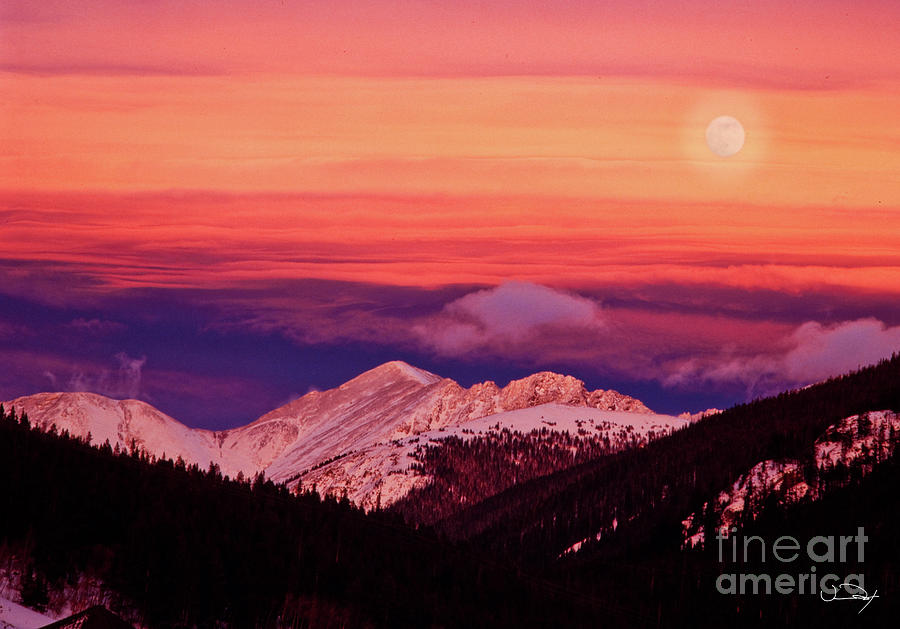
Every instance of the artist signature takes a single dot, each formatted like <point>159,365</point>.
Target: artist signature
<point>850,592</point>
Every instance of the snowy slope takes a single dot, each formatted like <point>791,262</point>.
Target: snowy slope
<point>348,425</point>
<point>564,418</point>
<point>118,421</point>
<point>381,472</point>
<point>370,407</point>
<point>15,616</point>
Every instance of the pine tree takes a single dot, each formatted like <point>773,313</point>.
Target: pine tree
<point>34,591</point>
<point>863,425</point>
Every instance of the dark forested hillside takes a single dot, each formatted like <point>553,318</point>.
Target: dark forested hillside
<point>656,584</point>
<point>465,471</point>
<point>186,547</point>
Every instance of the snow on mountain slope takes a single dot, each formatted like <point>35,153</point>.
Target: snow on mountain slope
<point>15,616</point>
<point>381,474</point>
<point>390,402</point>
<point>325,424</point>
<point>395,401</point>
<point>856,440</point>
<point>118,421</point>
<point>561,417</point>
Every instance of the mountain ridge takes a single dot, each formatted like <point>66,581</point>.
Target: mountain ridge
<point>392,401</point>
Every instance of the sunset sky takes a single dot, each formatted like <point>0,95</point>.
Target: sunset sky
<point>218,206</point>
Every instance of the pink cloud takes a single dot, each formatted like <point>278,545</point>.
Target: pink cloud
<point>513,314</point>
<point>811,353</point>
<point>497,38</point>
<point>825,351</point>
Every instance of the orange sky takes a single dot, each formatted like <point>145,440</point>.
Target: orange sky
<point>437,144</point>
<point>559,180</point>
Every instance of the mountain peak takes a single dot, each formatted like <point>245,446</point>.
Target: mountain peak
<point>400,370</point>
<point>548,386</point>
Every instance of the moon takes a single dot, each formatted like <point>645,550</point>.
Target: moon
<point>725,136</point>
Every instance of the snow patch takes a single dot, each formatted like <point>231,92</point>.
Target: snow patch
<point>15,616</point>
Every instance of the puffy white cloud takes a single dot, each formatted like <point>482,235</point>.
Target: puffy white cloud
<point>824,351</point>
<point>514,314</point>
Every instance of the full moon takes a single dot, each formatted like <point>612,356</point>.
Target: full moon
<point>725,136</point>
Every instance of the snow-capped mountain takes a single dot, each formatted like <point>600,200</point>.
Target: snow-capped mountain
<point>396,400</point>
<point>119,422</point>
<point>350,437</point>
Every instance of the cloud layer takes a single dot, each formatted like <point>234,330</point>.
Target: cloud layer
<point>812,352</point>
<point>222,357</point>
<point>376,37</point>
<point>538,325</point>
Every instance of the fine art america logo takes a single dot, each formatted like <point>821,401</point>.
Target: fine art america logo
<point>786,549</point>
